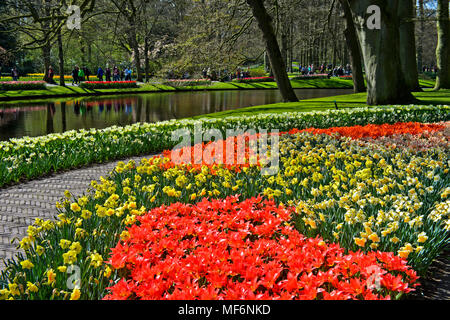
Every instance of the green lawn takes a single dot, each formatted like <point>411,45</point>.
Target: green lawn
<point>427,97</point>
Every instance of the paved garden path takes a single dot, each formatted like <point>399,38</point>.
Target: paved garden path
<point>21,204</point>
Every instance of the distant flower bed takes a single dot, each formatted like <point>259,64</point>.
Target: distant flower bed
<point>187,82</point>
<point>311,76</point>
<point>22,85</point>
<point>254,79</point>
<point>108,84</point>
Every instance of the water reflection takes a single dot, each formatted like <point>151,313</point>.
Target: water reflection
<point>59,116</point>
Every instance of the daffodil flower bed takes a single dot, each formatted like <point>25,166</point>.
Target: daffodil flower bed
<point>29,158</point>
<point>382,203</point>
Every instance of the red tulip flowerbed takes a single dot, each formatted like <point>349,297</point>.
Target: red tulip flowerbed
<point>375,131</point>
<point>254,79</point>
<point>225,249</point>
<point>108,84</point>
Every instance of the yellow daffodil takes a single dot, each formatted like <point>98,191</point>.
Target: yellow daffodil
<point>27,264</point>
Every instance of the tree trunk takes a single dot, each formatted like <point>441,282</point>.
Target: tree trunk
<point>381,52</point>
<point>408,45</point>
<point>284,46</point>
<point>443,47</point>
<point>89,55</point>
<point>146,60</point>
<point>291,48</point>
<point>46,49</point>
<point>421,35</point>
<point>135,47</point>
<point>266,65</point>
<point>351,39</point>
<point>276,60</point>
<point>61,60</point>
<point>46,57</point>
<point>83,51</point>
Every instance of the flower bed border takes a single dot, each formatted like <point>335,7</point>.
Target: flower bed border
<point>22,85</point>
<point>28,158</point>
<point>108,84</point>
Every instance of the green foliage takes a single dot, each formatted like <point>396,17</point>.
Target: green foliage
<point>258,72</point>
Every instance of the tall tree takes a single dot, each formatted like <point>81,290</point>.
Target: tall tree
<point>61,59</point>
<point>381,51</point>
<point>406,12</point>
<point>443,47</point>
<point>276,60</point>
<point>351,39</point>
<point>421,15</point>
<point>130,10</point>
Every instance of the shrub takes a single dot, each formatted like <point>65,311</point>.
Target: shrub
<point>259,72</point>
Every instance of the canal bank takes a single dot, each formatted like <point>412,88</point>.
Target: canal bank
<point>53,91</point>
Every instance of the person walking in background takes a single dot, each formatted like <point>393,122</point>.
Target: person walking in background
<point>128,73</point>
<point>122,75</point>
<point>108,74</point>
<point>87,73</point>
<point>116,74</point>
<point>81,75</point>
<point>75,75</point>
<point>14,74</point>
<point>100,74</point>
<point>51,74</point>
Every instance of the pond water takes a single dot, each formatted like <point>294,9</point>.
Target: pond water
<point>56,116</point>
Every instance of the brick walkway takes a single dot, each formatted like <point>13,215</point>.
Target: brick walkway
<point>20,205</point>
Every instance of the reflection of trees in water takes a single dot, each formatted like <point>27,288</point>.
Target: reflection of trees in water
<point>76,108</point>
<point>63,116</point>
<point>51,110</point>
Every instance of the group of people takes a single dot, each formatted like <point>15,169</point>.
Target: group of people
<point>80,74</point>
<point>433,69</point>
<point>242,74</point>
<point>332,71</point>
<point>114,74</point>
<point>341,71</point>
